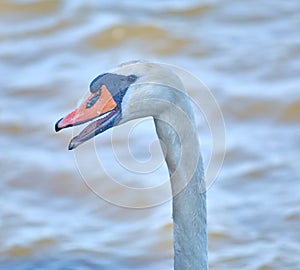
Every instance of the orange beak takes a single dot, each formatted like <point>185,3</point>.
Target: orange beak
<point>95,105</point>
<point>100,106</point>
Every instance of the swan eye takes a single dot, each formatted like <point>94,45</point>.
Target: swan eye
<point>131,78</point>
<point>93,100</point>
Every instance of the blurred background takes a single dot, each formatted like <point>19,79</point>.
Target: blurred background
<point>246,52</point>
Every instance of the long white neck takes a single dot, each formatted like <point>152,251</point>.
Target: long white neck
<point>160,93</point>
<point>177,132</point>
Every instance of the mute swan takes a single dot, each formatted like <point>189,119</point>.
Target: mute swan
<point>139,89</point>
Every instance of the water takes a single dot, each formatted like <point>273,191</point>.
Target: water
<point>247,54</point>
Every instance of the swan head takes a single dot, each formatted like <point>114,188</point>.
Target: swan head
<point>117,97</point>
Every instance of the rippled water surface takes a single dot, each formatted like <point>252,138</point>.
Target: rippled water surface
<point>247,53</point>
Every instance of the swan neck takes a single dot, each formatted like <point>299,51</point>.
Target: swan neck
<point>179,140</point>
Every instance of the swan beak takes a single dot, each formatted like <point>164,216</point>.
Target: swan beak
<point>99,106</point>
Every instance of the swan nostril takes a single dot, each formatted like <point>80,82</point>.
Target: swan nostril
<point>92,101</point>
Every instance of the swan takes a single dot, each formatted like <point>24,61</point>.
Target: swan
<point>140,89</point>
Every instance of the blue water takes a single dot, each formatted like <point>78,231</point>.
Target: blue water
<point>247,53</point>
